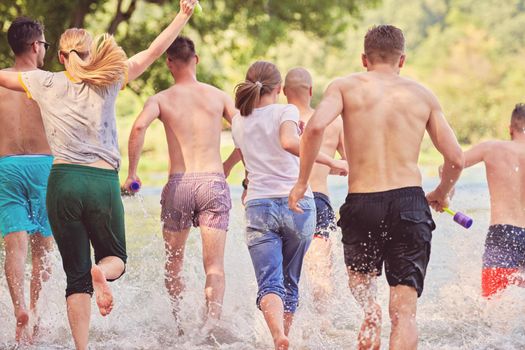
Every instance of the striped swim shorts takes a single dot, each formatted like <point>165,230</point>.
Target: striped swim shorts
<point>198,199</point>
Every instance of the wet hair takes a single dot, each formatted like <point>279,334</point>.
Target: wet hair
<point>517,121</point>
<point>182,49</point>
<point>384,43</point>
<point>22,33</point>
<point>261,79</point>
<point>99,62</point>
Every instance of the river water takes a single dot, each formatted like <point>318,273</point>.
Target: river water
<point>451,313</point>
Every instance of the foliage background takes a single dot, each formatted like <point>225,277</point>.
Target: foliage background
<point>469,52</point>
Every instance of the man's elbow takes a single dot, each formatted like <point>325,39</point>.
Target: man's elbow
<point>456,160</point>
<point>138,129</point>
<point>314,129</point>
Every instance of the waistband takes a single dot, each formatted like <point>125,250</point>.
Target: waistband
<point>196,176</point>
<point>506,228</point>
<point>390,194</point>
<point>322,196</point>
<point>25,159</point>
<point>84,170</point>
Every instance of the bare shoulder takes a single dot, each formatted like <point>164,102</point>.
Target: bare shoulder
<point>418,88</point>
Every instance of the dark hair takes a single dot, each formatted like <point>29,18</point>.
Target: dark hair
<point>182,49</point>
<point>517,121</point>
<point>22,33</point>
<point>262,77</point>
<point>384,43</point>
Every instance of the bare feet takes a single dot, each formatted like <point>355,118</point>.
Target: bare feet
<point>208,327</point>
<point>34,324</point>
<point>102,291</point>
<point>23,335</point>
<point>281,343</point>
<point>370,335</point>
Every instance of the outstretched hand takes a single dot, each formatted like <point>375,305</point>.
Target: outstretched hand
<point>187,6</point>
<point>296,194</point>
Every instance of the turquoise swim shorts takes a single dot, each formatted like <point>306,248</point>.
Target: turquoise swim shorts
<point>23,190</point>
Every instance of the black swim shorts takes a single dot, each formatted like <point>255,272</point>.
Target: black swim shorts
<point>393,226</point>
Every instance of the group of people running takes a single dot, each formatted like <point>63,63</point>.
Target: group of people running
<point>375,120</point>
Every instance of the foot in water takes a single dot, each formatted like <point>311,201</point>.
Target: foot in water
<point>282,343</point>
<point>208,327</point>
<point>23,335</point>
<point>102,291</point>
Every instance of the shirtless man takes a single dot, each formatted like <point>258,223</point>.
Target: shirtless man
<point>386,217</point>
<point>25,163</point>
<point>196,193</point>
<point>318,259</point>
<point>504,254</point>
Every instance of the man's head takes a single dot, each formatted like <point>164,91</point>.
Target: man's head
<point>384,44</point>
<point>181,54</point>
<point>26,37</point>
<point>298,84</point>
<point>517,121</point>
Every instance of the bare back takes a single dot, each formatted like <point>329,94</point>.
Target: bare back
<point>192,116</point>
<point>385,118</point>
<point>332,139</point>
<point>22,130</point>
<point>505,167</point>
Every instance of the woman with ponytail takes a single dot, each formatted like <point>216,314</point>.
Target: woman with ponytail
<point>267,135</point>
<point>83,196</point>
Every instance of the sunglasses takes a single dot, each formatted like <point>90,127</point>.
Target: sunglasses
<point>46,44</point>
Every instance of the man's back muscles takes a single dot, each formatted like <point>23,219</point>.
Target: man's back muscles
<point>22,131</point>
<point>385,118</point>
<point>192,116</point>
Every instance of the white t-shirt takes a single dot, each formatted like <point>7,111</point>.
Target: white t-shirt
<point>272,171</point>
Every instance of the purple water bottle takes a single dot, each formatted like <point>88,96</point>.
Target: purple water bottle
<point>134,187</point>
<point>460,218</point>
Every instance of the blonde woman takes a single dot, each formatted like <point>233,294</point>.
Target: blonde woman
<point>83,198</point>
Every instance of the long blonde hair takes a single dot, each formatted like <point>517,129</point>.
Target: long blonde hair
<point>99,62</point>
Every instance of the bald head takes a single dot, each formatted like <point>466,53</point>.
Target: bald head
<point>298,83</point>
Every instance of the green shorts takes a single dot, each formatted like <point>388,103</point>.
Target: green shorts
<point>84,206</point>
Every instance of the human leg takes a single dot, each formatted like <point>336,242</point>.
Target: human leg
<point>65,209</point>
<point>364,289</point>
<point>41,270</point>
<point>16,253</point>
<point>402,310</point>
<point>265,247</point>
<point>213,243</point>
<point>318,259</point>
<point>174,244</point>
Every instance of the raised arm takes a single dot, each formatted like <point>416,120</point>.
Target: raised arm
<point>330,107</point>
<point>136,139</point>
<point>141,61</point>
<point>10,80</point>
<point>446,143</point>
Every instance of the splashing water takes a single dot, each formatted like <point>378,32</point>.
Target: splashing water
<point>451,313</point>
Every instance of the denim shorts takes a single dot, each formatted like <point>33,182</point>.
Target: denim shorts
<point>326,221</point>
<point>278,239</point>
